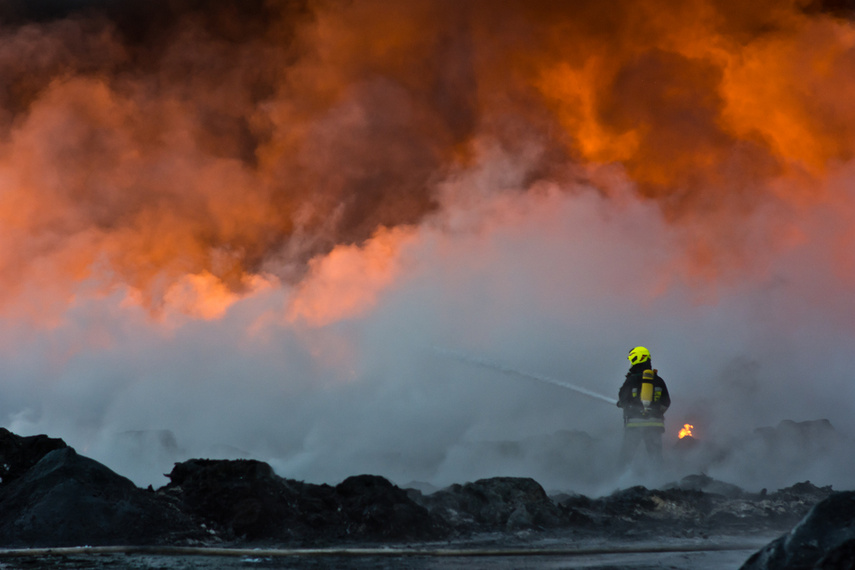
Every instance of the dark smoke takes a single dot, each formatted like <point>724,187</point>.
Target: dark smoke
<point>270,131</point>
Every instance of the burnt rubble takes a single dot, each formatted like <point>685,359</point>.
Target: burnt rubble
<point>824,539</point>
<point>496,504</point>
<point>246,501</point>
<point>19,454</point>
<point>679,511</point>
<point>52,496</point>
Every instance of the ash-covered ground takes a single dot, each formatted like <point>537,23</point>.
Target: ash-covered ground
<point>702,560</point>
<point>239,513</point>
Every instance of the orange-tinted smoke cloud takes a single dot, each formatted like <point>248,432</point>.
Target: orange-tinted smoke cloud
<point>158,145</point>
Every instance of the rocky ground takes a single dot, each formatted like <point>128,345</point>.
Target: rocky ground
<point>50,496</point>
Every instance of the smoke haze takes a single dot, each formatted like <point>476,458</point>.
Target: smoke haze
<point>238,228</point>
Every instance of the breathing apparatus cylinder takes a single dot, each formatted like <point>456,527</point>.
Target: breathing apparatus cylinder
<point>647,387</point>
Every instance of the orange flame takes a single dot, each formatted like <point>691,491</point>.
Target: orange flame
<point>686,431</point>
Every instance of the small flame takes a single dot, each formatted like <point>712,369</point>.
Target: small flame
<point>687,430</point>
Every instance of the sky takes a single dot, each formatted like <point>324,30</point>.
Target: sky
<point>261,228</point>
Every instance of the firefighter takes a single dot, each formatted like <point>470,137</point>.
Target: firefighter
<point>644,399</point>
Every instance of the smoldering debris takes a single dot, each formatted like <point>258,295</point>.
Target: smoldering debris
<point>246,501</point>
<point>52,496</point>
<point>21,453</point>
<point>811,449</point>
<point>824,539</point>
<point>60,498</point>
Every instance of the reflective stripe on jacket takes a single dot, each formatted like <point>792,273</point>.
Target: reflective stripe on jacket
<point>644,422</point>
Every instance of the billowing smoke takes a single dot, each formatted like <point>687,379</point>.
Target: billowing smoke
<point>239,228</point>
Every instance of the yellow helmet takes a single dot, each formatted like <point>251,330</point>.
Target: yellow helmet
<point>638,355</point>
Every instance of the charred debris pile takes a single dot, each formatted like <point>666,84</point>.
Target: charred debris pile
<point>52,496</point>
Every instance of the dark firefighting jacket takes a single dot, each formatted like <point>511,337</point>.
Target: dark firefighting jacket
<point>629,398</point>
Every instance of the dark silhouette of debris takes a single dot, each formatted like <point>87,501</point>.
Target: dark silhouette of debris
<point>18,454</point>
<point>825,538</point>
<point>66,499</point>
<point>248,501</point>
<point>51,496</point>
<point>499,503</point>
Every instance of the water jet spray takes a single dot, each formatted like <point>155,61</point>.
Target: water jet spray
<point>507,370</point>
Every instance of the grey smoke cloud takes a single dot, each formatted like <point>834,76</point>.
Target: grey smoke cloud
<point>559,283</point>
